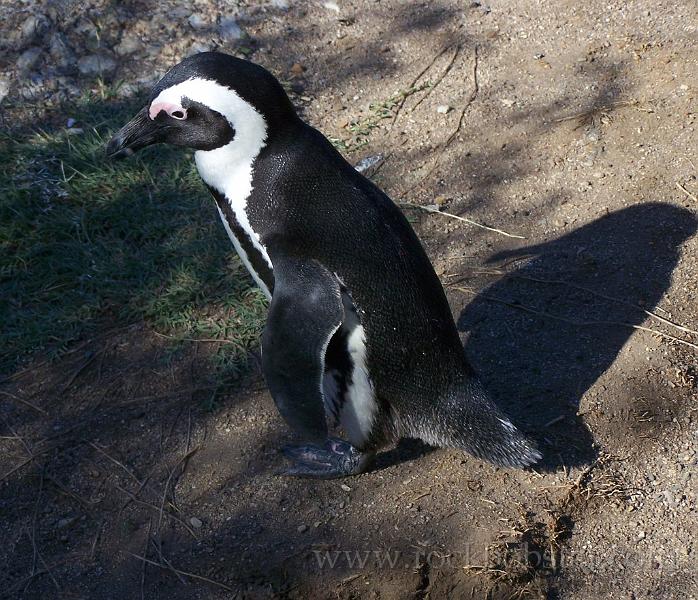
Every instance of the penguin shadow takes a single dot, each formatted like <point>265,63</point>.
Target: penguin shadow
<point>539,367</point>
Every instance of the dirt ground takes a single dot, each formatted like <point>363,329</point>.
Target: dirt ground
<point>571,125</point>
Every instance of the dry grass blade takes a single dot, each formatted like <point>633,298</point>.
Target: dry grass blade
<point>417,77</point>
<point>183,461</point>
<point>588,114</point>
<point>199,340</point>
<point>23,401</point>
<point>184,573</point>
<point>115,461</point>
<point>685,191</point>
<point>452,216</point>
<point>456,131</point>
<point>441,77</point>
<point>590,291</point>
<point>145,555</point>
<point>155,508</point>
<point>540,313</point>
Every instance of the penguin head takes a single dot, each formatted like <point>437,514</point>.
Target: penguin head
<point>209,101</point>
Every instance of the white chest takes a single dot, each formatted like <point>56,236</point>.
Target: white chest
<point>233,179</point>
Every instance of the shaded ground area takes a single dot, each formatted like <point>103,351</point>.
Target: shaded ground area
<point>139,443</point>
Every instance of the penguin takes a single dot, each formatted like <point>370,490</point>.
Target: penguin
<point>360,347</point>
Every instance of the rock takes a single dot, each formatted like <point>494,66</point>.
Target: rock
<point>302,528</point>
<point>129,44</point>
<point>345,487</point>
<point>229,30</point>
<point>198,47</point>
<point>443,109</point>
<point>366,163</point>
<point>297,69</point>
<point>127,90</point>
<point>64,523</point>
<point>97,64</point>
<point>196,21</point>
<point>4,88</point>
<point>28,59</point>
<point>196,523</point>
<point>33,28</point>
<point>331,6</point>
<point>61,53</point>
<point>87,31</point>
<point>280,4</point>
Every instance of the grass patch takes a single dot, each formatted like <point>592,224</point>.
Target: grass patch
<point>87,244</point>
<point>361,129</point>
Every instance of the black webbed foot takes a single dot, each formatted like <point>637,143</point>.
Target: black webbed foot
<point>335,458</point>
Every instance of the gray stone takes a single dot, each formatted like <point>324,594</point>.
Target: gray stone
<point>33,27</point>
<point>196,21</point>
<point>97,64</point>
<point>442,109</point>
<point>129,44</point>
<point>198,47</point>
<point>229,30</point>
<point>195,523</point>
<point>87,31</point>
<point>28,59</point>
<point>61,53</point>
<point>4,88</point>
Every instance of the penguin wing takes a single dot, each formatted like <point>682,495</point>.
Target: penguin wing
<point>305,311</point>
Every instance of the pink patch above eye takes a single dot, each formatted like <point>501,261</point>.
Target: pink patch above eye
<point>172,109</point>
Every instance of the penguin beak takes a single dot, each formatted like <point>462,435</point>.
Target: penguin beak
<point>139,132</point>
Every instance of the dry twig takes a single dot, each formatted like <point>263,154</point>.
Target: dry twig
<point>685,191</point>
<point>184,573</point>
<point>456,131</point>
<point>588,290</point>
<point>573,322</point>
<point>459,218</point>
<point>441,77</point>
<point>23,401</point>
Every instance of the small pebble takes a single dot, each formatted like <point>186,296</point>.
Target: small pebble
<point>196,21</point>
<point>302,528</point>
<point>229,30</point>
<point>443,109</point>
<point>4,88</point>
<point>195,523</point>
<point>97,64</point>
<point>345,487</point>
<point>28,59</point>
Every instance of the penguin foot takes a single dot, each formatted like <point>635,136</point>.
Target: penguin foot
<point>335,458</point>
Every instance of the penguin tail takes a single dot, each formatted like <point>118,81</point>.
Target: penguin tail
<point>466,418</point>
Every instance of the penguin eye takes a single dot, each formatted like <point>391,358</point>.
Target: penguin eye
<point>180,115</point>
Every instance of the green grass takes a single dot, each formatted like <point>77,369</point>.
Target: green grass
<point>87,244</point>
<point>362,128</point>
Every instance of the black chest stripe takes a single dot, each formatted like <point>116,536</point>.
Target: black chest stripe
<point>254,256</point>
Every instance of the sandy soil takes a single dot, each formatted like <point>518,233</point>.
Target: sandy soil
<point>571,125</point>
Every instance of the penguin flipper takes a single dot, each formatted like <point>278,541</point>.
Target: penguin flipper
<point>305,311</point>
